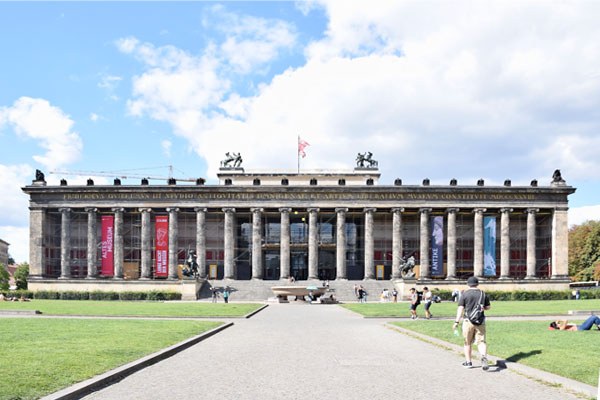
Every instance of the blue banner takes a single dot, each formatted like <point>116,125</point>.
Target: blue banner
<point>437,246</point>
<point>489,246</point>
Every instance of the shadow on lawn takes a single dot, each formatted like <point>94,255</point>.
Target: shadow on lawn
<point>521,355</point>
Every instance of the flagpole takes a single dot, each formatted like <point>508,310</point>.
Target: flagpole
<point>298,154</point>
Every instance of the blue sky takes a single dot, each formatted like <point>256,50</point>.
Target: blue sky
<point>442,90</point>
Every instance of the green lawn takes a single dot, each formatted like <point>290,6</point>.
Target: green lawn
<point>448,309</point>
<point>41,356</point>
<point>574,355</point>
<point>133,308</point>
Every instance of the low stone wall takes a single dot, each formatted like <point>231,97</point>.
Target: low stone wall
<point>188,288</point>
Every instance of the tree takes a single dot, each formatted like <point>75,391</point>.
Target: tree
<point>11,261</point>
<point>4,277</point>
<point>21,275</point>
<point>584,250</point>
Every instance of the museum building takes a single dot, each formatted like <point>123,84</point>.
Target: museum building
<point>270,226</point>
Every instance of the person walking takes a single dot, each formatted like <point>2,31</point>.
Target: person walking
<point>414,303</point>
<point>226,295</point>
<point>395,295</point>
<point>471,306</point>
<point>427,300</point>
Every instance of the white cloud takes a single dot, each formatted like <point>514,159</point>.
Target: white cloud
<point>509,92</point>
<point>18,239</point>
<point>166,147</point>
<point>14,201</point>
<point>579,215</point>
<point>38,119</point>
<point>94,117</point>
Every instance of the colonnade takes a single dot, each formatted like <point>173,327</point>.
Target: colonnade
<point>559,238</point>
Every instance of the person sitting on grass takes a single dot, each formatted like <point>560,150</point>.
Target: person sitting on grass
<point>586,326</point>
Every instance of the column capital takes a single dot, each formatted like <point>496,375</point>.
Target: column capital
<point>228,210</point>
<point>479,210</point>
<point>173,209</point>
<point>200,209</point>
<point>91,209</point>
<point>312,210</point>
<point>397,209</point>
<point>286,210</point>
<point>341,210</point>
<point>506,210</point>
<point>257,210</point>
<point>369,209</point>
<point>532,210</point>
<point>64,210</point>
<point>425,210</point>
<point>120,209</point>
<point>451,210</point>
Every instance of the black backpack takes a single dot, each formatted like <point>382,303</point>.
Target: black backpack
<point>475,315</point>
<point>419,297</point>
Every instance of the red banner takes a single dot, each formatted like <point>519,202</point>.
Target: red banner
<point>162,246</point>
<point>108,234</point>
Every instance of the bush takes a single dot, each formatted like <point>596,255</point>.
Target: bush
<point>4,277</point>
<point>46,294</point>
<point>74,296</point>
<point>21,275</point>
<point>98,295</point>
<point>132,296</point>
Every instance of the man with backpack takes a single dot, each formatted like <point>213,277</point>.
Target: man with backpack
<point>471,306</point>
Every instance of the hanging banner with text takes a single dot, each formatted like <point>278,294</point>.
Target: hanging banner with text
<point>489,246</point>
<point>108,235</point>
<point>162,246</point>
<point>437,246</point>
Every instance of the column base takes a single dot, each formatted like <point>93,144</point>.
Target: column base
<point>64,278</point>
<point>530,277</point>
<point>451,278</point>
<point>144,278</point>
<point>117,278</point>
<point>91,277</point>
<point>504,278</point>
<point>561,277</point>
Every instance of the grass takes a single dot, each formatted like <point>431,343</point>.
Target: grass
<point>133,308</point>
<point>41,356</point>
<point>573,355</point>
<point>499,308</point>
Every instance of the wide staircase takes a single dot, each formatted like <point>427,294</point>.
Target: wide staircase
<point>259,290</point>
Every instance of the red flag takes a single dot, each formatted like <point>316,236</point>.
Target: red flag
<point>301,146</point>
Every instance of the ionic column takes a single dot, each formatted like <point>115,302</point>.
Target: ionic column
<point>92,240</point>
<point>396,241</point>
<point>201,240</point>
<point>65,243</point>
<point>173,245</point>
<point>313,246</point>
<point>146,243</point>
<point>451,250</point>
<point>37,221</point>
<point>229,243</point>
<point>424,243</point>
<point>284,243</point>
<point>505,242</point>
<point>257,264</point>
<point>369,244</point>
<point>560,244</point>
<point>340,238</point>
<point>478,241</point>
<point>118,243</point>
<point>531,258</point>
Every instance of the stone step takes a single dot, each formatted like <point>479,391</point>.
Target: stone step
<point>260,290</point>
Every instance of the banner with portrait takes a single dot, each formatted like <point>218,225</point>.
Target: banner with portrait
<point>161,266</point>
<point>489,246</point>
<point>437,246</point>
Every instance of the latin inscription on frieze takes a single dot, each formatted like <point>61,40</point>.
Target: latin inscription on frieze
<point>253,196</point>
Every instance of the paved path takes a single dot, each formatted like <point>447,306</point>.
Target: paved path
<point>298,351</point>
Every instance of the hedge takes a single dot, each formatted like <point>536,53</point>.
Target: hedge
<point>523,295</point>
<point>96,295</point>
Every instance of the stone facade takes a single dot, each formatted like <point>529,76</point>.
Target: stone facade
<point>328,226</point>
<point>4,253</point>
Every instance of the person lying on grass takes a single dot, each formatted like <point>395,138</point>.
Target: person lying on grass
<point>586,326</point>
